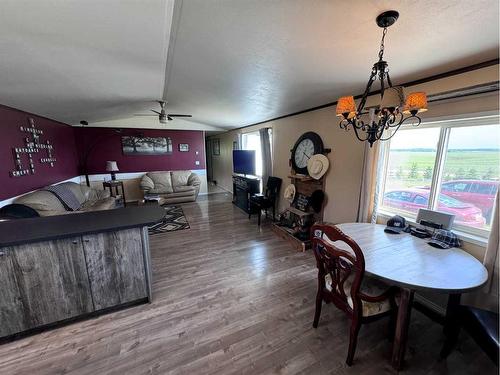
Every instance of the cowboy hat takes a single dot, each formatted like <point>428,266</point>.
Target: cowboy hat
<point>317,166</point>
<point>316,200</point>
<point>290,193</point>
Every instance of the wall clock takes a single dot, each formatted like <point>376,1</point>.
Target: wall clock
<point>306,146</point>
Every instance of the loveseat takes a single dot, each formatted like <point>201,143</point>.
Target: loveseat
<point>47,203</point>
<point>172,186</point>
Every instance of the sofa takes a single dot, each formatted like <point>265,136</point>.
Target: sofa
<point>47,203</point>
<point>171,186</point>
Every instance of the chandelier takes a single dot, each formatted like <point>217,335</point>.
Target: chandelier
<point>394,109</point>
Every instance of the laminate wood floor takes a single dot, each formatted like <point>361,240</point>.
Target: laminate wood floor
<point>229,298</point>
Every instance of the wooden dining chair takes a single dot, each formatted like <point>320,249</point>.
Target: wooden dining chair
<point>342,281</point>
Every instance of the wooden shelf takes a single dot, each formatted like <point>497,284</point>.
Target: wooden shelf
<point>294,241</point>
<point>305,185</point>
<point>301,177</point>
<point>298,212</point>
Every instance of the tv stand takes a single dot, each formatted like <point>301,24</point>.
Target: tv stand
<point>243,188</point>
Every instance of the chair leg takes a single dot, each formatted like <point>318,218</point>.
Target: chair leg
<point>317,312</point>
<point>353,340</point>
<point>274,212</point>
<point>259,214</point>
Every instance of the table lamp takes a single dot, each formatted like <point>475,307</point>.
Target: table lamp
<point>112,167</point>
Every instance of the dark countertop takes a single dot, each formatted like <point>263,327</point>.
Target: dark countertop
<point>21,231</point>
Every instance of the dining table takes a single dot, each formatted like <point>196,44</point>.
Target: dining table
<point>413,265</point>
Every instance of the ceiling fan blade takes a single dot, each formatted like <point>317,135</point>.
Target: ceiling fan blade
<point>172,115</point>
<point>142,114</point>
<point>152,110</point>
<point>169,118</point>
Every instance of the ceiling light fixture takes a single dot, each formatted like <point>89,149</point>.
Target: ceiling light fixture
<point>393,110</point>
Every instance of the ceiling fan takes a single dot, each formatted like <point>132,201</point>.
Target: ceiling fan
<point>163,116</point>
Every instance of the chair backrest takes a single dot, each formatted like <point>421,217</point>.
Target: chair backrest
<point>273,187</point>
<point>339,257</point>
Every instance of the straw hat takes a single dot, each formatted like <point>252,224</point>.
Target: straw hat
<point>290,193</point>
<point>317,166</point>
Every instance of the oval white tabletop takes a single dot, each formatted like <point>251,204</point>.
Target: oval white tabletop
<point>407,261</point>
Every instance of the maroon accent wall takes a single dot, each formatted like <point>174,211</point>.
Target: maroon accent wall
<point>108,146</point>
<point>59,134</point>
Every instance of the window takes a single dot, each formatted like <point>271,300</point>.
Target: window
<point>251,141</point>
<point>410,165</point>
<point>452,167</point>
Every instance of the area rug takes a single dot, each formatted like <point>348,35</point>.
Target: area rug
<point>174,220</point>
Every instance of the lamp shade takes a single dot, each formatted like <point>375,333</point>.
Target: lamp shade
<point>346,105</point>
<point>416,101</point>
<point>393,98</point>
<point>111,166</point>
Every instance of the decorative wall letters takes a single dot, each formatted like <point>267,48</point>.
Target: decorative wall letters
<point>32,145</point>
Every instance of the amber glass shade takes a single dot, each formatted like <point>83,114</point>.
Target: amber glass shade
<point>346,105</point>
<point>416,101</point>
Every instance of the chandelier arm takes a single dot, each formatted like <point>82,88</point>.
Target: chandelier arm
<point>396,128</point>
<point>388,79</point>
<point>360,125</point>
<point>357,135</point>
<point>344,124</point>
<point>379,132</point>
<point>386,139</point>
<point>419,120</point>
<point>394,124</point>
<point>367,90</point>
<point>392,134</point>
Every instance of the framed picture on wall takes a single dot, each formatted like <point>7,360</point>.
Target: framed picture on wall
<point>216,146</point>
<point>146,145</point>
<point>183,147</point>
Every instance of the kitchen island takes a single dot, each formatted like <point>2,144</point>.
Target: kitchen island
<point>58,269</point>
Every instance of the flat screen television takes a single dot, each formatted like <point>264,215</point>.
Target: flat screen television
<point>244,161</point>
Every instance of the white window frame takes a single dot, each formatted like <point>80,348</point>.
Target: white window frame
<point>478,235</point>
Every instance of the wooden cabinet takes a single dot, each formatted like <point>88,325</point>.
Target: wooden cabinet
<point>243,188</point>
<point>116,277</point>
<point>50,281</point>
<point>11,309</point>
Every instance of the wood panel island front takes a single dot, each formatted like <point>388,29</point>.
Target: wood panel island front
<point>58,269</point>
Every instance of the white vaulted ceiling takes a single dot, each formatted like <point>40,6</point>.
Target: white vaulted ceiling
<point>230,62</point>
<point>75,60</point>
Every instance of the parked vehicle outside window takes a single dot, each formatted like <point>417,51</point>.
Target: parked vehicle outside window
<point>411,200</point>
